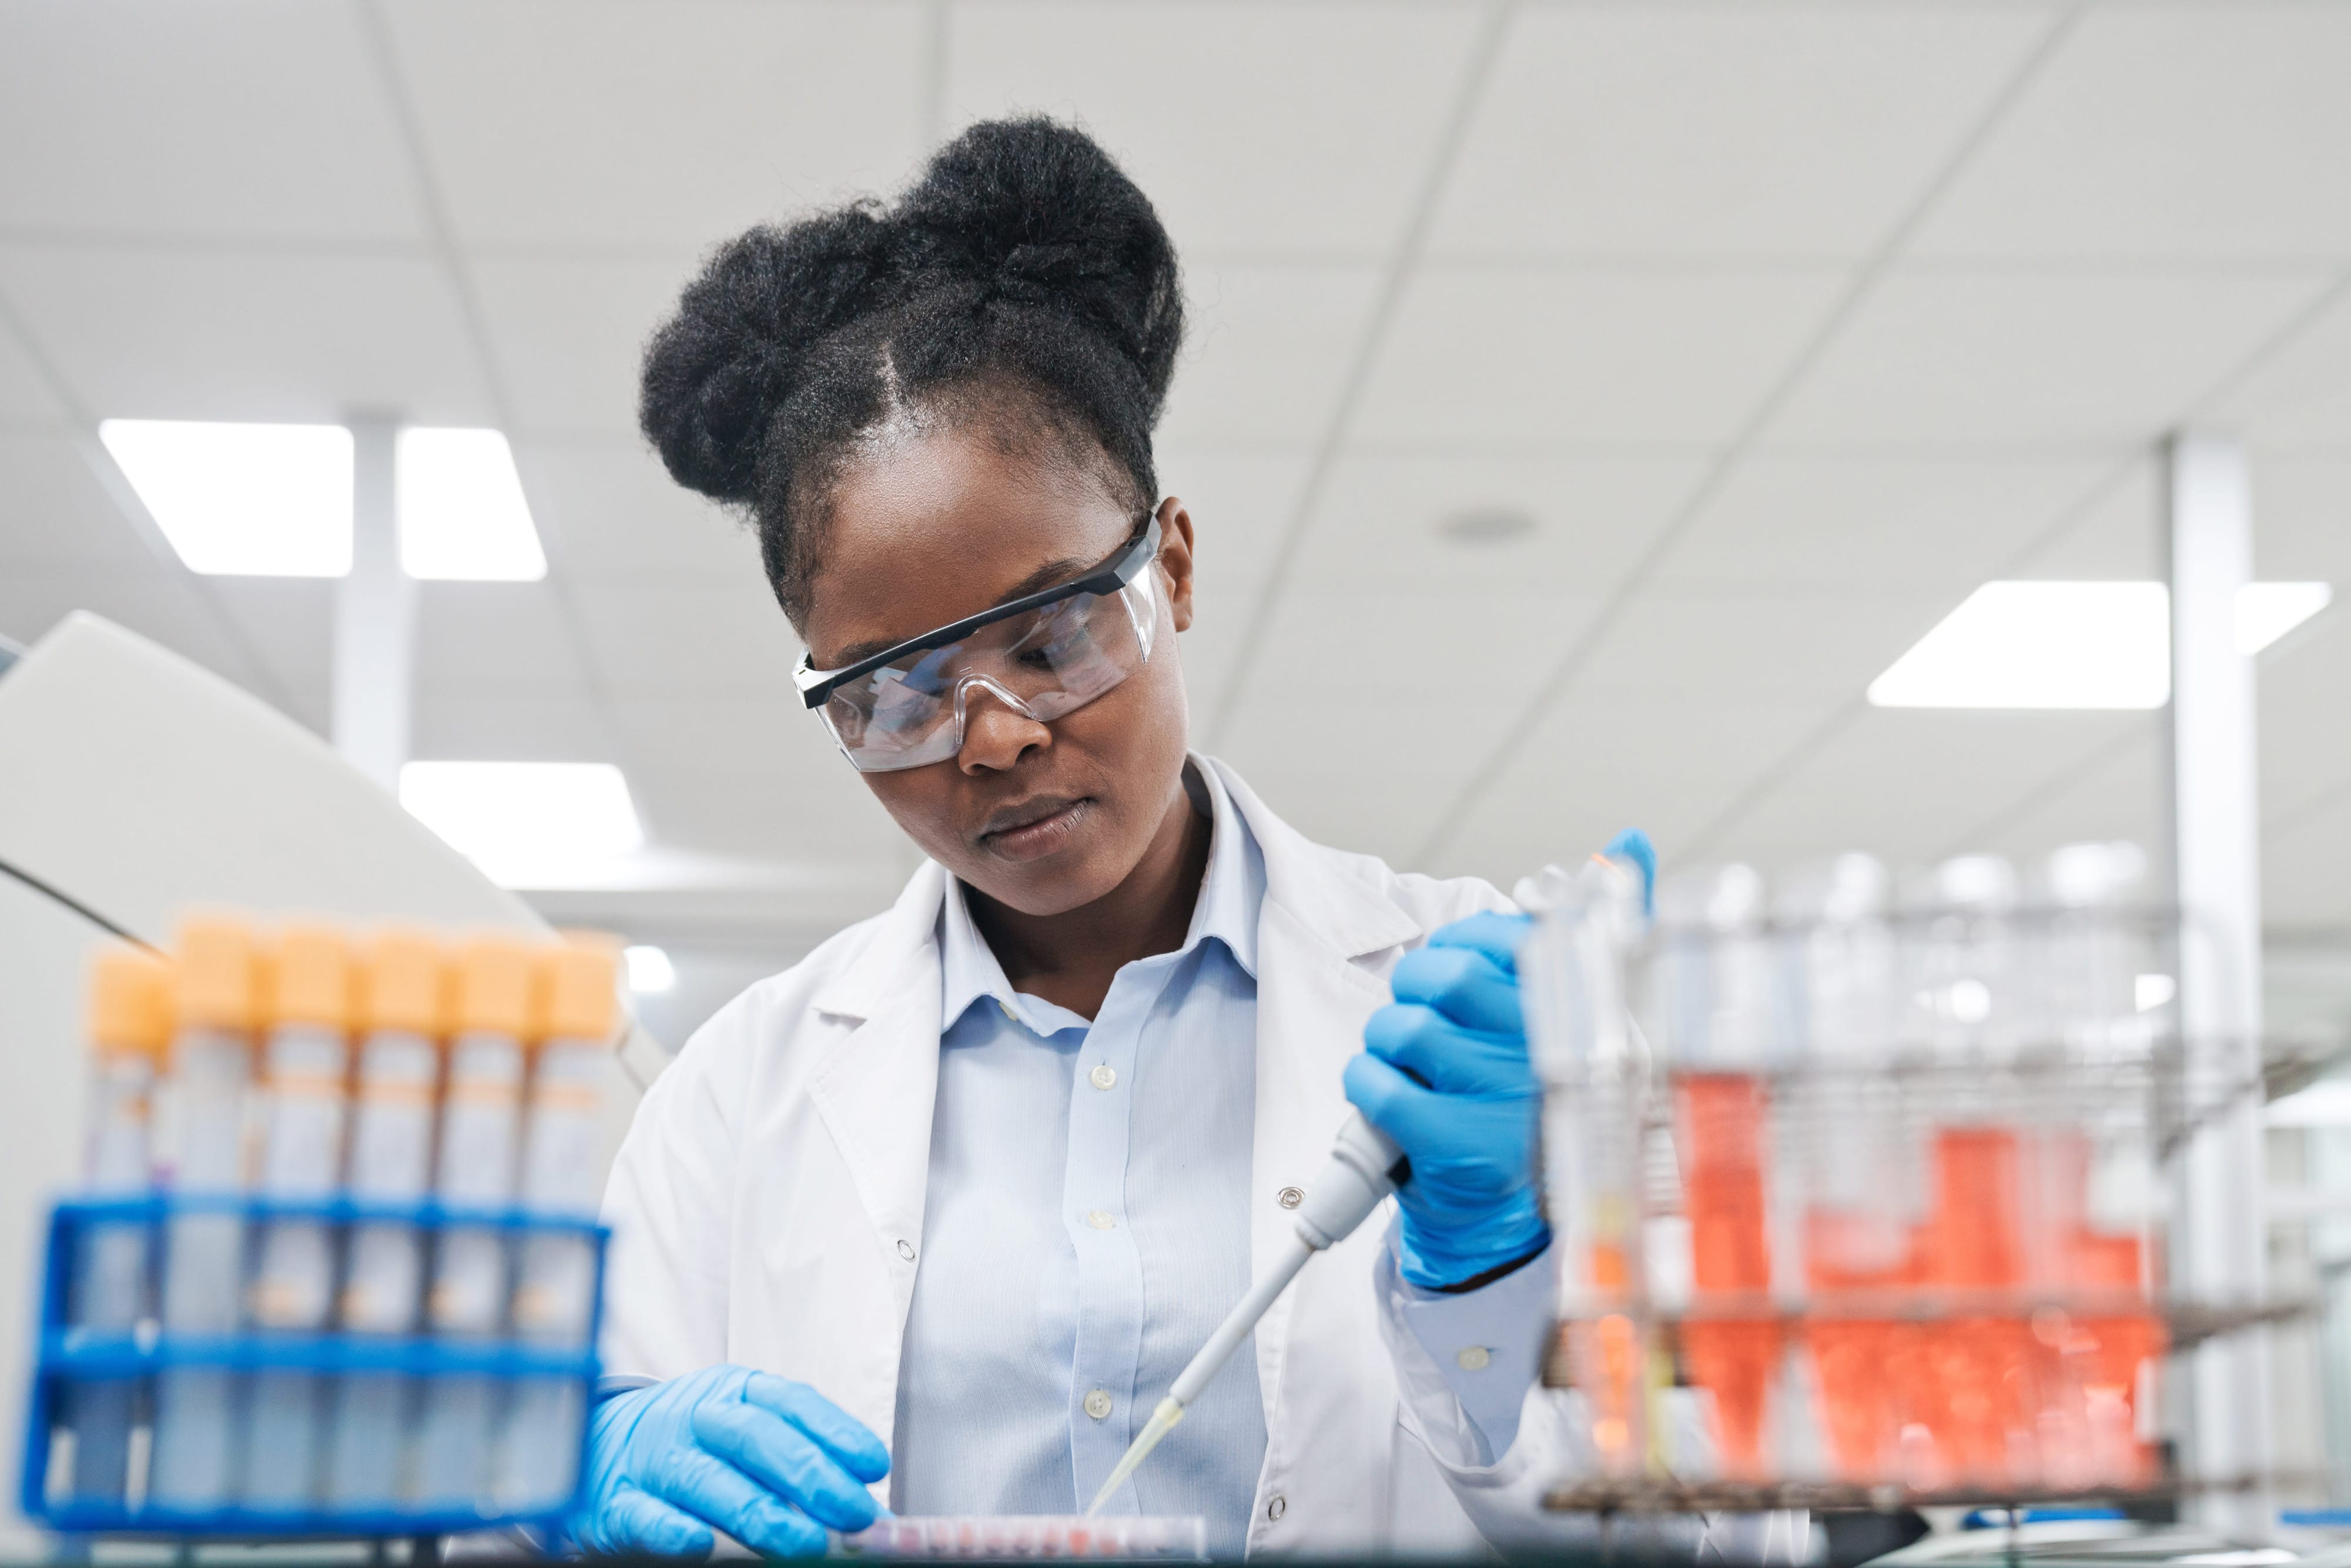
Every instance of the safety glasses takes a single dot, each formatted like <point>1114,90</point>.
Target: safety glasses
<point>1043,654</point>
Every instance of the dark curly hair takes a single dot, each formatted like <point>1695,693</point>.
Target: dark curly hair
<point>1024,281</point>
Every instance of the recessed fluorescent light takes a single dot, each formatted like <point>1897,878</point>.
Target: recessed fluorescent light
<point>650,971</point>
<point>2040,645</point>
<point>2071,645</point>
<point>526,824</point>
<point>461,513</point>
<point>243,500</point>
<point>2268,611</point>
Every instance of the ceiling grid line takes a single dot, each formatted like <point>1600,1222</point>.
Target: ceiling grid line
<point>1469,95</point>
<point>441,233</point>
<point>83,423</point>
<point>1562,675</point>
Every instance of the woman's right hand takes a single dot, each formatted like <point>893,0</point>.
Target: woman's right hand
<point>772,1463</point>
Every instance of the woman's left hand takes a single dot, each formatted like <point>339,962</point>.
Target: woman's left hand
<point>1445,1073</point>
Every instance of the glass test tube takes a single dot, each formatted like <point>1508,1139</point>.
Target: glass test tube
<point>481,1122</point>
<point>400,1009</point>
<point>1720,1016</point>
<point>302,1104</point>
<point>129,1027</point>
<point>215,1000</point>
<point>555,1295</point>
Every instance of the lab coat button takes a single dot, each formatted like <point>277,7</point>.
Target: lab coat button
<point>1277,1508</point>
<point>906,1251</point>
<point>1102,1077</point>
<point>1097,1404</point>
<point>1474,1359</point>
<point>1100,1219</point>
<point>1290,1198</point>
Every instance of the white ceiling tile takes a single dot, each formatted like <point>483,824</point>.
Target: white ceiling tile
<point>2168,131</point>
<point>2305,745</point>
<point>2306,870</point>
<point>148,117</point>
<point>1489,356</point>
<point>661,123</point>
<point>2303,397</point>
<point>220,335</point>
<point>513,724</point>
<point>662,640</point>
<point>1240,504</point>
<point>26,397</point>
<point>691,803</point>
<point>489,637</point>
<point>606,509</point>
<point>2116,535</point>
<point>289,624</point>
<point>53,513</point>
<point>1807,523</point>
<point>1786,644</point>
<point>570,335</point>
<point>1940,356</point>
<point>1266,351</point>
<point>771,738</point>
<point>1721,131</point>
<point>2302,517</point>
<point>1300,128</point>
<point>1912,784</point>
<point>2118,794</point>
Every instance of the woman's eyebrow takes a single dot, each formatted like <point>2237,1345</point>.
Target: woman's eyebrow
<point>1044,577</point>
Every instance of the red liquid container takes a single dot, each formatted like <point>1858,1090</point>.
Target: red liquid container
<point>1720,1121</point>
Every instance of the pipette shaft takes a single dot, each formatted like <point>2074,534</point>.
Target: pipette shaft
<point>1365,1166</point>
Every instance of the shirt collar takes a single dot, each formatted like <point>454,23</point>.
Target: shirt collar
<point>1231,894</point>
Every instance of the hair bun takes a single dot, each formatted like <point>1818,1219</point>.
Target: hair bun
<point>716,371</point>
<point>1036,213</point>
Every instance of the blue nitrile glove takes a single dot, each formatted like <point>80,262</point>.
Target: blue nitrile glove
<point>1445,1073</point>
<point>770,1461</point>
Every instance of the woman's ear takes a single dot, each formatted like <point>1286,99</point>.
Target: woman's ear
<point>1175,560</point>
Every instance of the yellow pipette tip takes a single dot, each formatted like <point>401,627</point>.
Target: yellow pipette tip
<point>1162,1421</point>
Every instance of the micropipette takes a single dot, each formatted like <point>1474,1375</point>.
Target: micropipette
<point>1365,1166</point>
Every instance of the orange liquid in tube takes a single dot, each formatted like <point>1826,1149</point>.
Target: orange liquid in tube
<point>1859,1359</point>
<point>2114,1340</point>
<point>1719,1135</point>
<point>1981,1381</point>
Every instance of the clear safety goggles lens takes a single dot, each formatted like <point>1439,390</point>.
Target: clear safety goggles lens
<point>1044,662</point>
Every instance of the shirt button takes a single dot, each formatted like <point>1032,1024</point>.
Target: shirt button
<point>1290,1198</point>
<point>906,1251</point>
<point>1100,1219</point>
<point>1098,1405</point>
<point>1277,1508</point>
<point>1474,1359</point>
<point>1102,1077</point>
<point>1005,1009</point>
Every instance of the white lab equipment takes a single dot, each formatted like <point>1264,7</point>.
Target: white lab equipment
<point>189,794</point>
<point>481,1124</point>
<point>555,1290</point>
<point>130,1028</point>
<point>399,1015</point>
<point>1365,1166</point>
<point>302,1113</point>
<point>1167,1539</point>
<point>216,1002</point>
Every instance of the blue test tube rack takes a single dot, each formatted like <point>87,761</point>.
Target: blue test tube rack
<point>69,1357</point>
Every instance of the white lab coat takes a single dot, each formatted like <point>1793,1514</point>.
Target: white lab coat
<point>768,1205</point>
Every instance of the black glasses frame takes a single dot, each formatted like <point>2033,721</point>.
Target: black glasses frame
<point>816,685</point>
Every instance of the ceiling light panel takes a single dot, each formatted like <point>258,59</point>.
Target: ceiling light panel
<point>526,825</point>
<point>650,973</point>
<point>463,516</point>
<point>2074,645</point>
<point>243,500</point>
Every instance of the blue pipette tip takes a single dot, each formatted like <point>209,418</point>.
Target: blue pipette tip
<point>1634,845</point>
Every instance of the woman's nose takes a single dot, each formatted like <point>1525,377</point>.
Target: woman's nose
<point>995,734</point>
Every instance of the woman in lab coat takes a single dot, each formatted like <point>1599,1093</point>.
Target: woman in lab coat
<point>949,1204</point>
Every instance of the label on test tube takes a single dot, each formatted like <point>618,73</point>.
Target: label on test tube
<point>216,976</point>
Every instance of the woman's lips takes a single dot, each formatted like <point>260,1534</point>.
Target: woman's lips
<point>1037,831</point>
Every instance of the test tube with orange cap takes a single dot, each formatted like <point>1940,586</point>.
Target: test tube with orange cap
<point>554,1292</point>
<point>401,1012</point>
<point>131,1021</point>
<point>304,1057</point>
<point>216,1000</point>
<point>481,1126</point>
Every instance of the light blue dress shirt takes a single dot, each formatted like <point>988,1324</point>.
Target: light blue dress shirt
<point>1086,1229</point>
